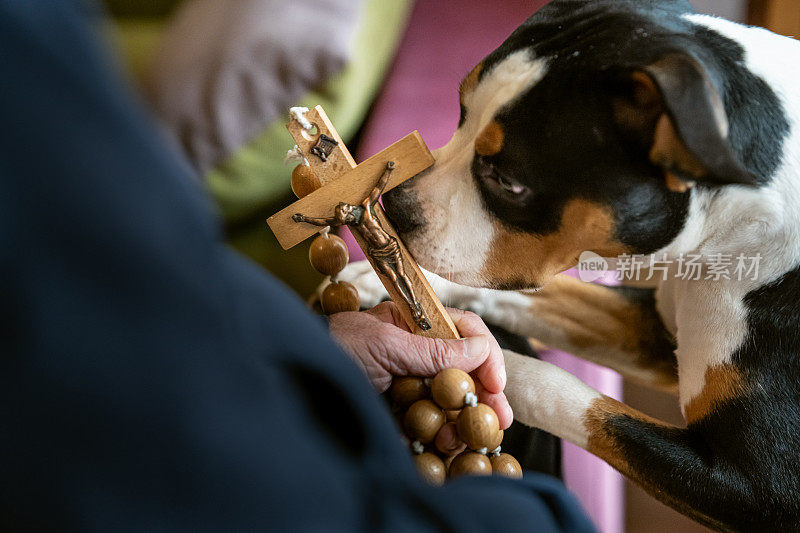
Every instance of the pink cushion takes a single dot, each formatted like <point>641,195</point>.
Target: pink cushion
<point>444,40</point>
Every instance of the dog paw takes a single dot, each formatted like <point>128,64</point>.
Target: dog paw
<point>364,279</point>
<point>458,296</point>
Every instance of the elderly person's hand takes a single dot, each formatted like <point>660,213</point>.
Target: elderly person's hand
<point>382,345</point>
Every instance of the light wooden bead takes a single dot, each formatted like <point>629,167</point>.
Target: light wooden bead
<point>478,426</point>
<point>505,465</point>
<point>448,461</point>
<point>407,390</point>
<point>470,464</point>
<point>423,421</point>
<point>450,386</point>
<point>329,254</point>
<point>339,297</point>
<point>447,440</point>
<point>493,446</point>
<point>431,468</point>
<point>304,181</point>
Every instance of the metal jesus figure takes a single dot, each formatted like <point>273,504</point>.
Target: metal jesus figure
<point>381,247</point>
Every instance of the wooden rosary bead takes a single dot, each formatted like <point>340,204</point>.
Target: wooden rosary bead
<point>450,386</point>
<point>493,446</point>
<point>339,297</point>
<point>448,461</point>
<point>328,254</point>
<point>478,426</point>
<point>505,465</point>
<point>431,468</point>
<point>452,414</point>
<point>470,463</point>
<point>423,421</point>
<point>304,181</point>
<point>407,390</point>
<point>447,440</point>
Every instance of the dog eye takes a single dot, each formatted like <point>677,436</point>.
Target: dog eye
<point>488,173</point>
<point>511,186</point>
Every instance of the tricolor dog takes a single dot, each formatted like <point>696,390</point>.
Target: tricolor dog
<point>627,127</point>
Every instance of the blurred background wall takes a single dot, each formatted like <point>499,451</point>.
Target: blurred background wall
<point>729,9</point>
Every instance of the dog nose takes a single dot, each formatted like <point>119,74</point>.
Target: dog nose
<point>403,209</point>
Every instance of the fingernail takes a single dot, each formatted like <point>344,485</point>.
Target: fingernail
<point>503,376</point>
<point>476,346</point>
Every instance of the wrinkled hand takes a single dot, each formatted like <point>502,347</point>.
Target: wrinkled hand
<point>380,342</point>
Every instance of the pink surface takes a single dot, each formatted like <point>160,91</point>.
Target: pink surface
<point>443,42</point>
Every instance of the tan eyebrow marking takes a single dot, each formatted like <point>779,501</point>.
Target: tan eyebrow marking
<point>469,83</point>
<point>490,141</point>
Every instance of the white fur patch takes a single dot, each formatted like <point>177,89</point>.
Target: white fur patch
<point>500,86</point>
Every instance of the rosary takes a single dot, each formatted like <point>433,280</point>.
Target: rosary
<point>333,191</point>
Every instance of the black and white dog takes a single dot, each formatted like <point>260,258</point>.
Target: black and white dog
<point>634,127</point>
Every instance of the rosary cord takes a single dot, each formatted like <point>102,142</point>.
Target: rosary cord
<point>470,399</point>
<point>295,155</point>
<point>299,114</point>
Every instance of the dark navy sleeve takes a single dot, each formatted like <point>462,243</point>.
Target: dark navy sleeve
<point>151,379</point>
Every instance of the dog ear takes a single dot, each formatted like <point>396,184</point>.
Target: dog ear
<point>673,107</point>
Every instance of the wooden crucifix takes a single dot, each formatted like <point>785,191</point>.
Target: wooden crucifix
<point>347,194</point>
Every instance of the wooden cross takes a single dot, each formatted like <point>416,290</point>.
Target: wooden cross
<point>341,180</point>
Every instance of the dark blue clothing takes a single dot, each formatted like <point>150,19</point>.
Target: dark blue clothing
<point>150,378</point>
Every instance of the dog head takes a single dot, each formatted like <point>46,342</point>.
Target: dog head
<point>590,129</point>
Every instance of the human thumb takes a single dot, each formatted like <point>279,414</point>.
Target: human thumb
<point>426,357</point>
